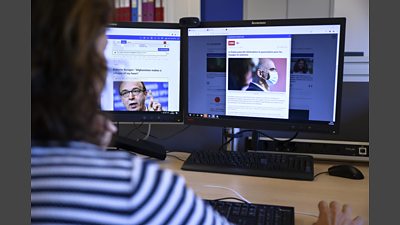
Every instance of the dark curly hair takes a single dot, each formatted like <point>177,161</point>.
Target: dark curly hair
<point>68,72</point>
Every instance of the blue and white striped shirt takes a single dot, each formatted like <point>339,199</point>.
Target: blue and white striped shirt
<point>83,184</point>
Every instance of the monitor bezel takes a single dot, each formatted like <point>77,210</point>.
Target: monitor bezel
<point>151,116</point>
<point>271,124</point>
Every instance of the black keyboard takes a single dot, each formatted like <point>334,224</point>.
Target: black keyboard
<point>257,214</point>
<point>274,165</point>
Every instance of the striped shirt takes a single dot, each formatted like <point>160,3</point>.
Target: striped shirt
<point>82,184</point>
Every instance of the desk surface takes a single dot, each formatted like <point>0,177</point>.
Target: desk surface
<point>303,195</point>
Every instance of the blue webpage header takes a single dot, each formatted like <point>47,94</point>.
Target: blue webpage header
<point>260,36</point>
<point>152,38</point>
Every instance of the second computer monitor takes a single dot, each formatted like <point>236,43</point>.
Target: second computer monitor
<point>144,73</point>
<point>272,74</point>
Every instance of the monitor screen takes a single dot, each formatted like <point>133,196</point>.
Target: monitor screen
<point>144,73</point>
<point>271,75</point>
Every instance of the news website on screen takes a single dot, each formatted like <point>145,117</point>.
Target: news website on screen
<point>282,72</point>
<point>258,48</point>
<point>143,70</point>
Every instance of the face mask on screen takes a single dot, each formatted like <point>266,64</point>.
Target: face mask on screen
<point>273,78</point>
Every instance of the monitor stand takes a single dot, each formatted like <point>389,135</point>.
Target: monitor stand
<point>255,141</point>
<point>139,146</point>
<point>277,146</point>
<point>256,144</point>
<point>227,133</point>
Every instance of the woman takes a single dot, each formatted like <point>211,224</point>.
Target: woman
<point>300,66</point>
<point>73,180</point>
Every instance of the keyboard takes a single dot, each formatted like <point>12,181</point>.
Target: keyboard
<point>274,165</point>
<point>257,214</point>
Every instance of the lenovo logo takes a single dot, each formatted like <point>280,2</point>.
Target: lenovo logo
<point>258,22</point>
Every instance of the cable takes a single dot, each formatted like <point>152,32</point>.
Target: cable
<point>238,134</point>
<point>222,137</point>
<point>220,147</point>
<point>307,214</point>
<point>172,135</point>
<point>319,174</point>
<point>233,136</point>
<point>176,157</point>
<point>167,137</point>
<point>239,195</point>
<point>135,128</point>
<point>277,140</point>
<point>150,135</point>
<point>234,198</point>
<point>148,132</point>
<point>117,127</point>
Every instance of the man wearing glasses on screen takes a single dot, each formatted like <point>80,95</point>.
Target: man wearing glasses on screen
<point>133,95</point>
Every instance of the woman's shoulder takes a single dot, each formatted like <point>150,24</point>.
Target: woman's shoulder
<point>75,148</point>
<point>89,155</point>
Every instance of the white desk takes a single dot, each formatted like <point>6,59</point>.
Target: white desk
<point>303,195</point>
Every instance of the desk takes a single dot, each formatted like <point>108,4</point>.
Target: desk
<point>303,195</point>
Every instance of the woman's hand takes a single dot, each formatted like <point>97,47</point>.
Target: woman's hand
<point>335,214</point>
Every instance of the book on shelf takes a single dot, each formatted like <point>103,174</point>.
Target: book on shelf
<point>148,10</point>
<point>134,11</point>
<point>159,10</point>
<point>122,10</point>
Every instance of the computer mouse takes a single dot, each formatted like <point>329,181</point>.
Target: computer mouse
<point>347,171</point>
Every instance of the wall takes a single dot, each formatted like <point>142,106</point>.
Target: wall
<point>356,12</point>
<point>356,68</point>
<point>357,34</point>
<point>264,9</point>
<point>176,9</point>
<point>309,8</point>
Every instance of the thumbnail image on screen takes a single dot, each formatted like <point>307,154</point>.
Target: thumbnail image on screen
<point>140,96</point>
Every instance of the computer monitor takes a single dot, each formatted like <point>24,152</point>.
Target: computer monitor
<point>281,74</point>
<point>144,73</point>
